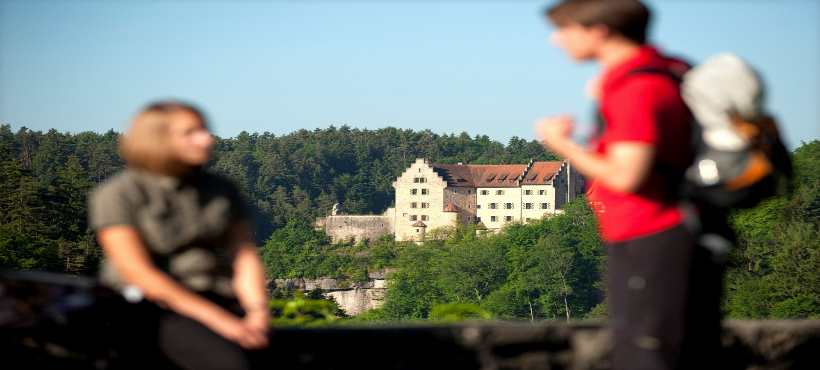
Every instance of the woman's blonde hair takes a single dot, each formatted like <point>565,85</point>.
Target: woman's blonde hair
<point>145,146</point>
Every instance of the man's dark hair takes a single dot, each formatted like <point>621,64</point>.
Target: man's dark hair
<point>628,18</point>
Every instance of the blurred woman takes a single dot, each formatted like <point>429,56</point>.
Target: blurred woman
<point>181,237</point>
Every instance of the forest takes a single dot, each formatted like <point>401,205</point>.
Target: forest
<point>549,269</point>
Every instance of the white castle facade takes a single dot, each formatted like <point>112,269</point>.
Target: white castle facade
<point>430,196</point>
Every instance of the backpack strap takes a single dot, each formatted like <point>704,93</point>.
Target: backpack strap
<point>657,71</point>
<point>665,72</point>
<point>672,176</point>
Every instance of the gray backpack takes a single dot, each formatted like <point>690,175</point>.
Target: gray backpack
<point>740,159</point>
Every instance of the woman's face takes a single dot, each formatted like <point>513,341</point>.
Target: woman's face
<point>190,140</point>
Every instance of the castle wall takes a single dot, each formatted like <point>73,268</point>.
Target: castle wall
<point>464,201</point>
<point>492,206</point>
<point>537,201</point>
<point>356,228</point>
<point>425,205</point>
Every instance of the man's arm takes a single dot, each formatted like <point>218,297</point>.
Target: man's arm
<point>624,168</point>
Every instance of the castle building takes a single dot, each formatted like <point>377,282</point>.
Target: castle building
<point>431,196</point>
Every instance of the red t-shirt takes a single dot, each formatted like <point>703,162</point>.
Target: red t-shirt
<point>646,108</point>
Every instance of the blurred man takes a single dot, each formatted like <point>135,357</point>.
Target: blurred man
<point>659,281</point>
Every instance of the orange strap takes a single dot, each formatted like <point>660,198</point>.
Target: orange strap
<point>757,168</point>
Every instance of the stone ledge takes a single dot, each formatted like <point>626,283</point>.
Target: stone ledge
<point>55,321</point>
<point>582,345</point>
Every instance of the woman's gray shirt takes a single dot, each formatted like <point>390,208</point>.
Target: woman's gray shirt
<point>185,223</point>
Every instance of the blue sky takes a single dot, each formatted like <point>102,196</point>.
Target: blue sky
<point>483,67</point>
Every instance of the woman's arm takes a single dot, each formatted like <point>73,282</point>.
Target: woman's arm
<point>624,168</point>
<point>125,250</point>
<point>249,279</point>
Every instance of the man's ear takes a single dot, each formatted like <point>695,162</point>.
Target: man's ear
<point>600,31</point>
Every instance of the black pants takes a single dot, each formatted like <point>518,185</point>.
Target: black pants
<point>150,337</point>
<point>190,345</point>
<point>664,302</point>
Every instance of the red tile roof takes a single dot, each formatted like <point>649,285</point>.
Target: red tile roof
<point>480,175</point>
<point>541,172</point>
<point>495,175</point>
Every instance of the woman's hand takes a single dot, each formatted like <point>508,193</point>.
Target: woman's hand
<point>258,320</point>
<point>240,331</point>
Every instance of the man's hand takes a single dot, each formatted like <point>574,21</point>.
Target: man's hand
<point>554,131</point>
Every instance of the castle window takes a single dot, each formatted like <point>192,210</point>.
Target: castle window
<point>545,205</point>
<point>542,192</point>
<point>527,192</point>
<point>414,205</point>
<point>478,206</point>
<point>425,205</point>
<point>499,192</point>
<point>413,217</point>
<point>493,218</point>
<point>527,205</point>
<point>419,180</point>
<point>485,192</point>
<point>508,206</point>
<point>508,218</point>
<point>414,191</point>
<point>493,205</point>
<point>424,192</point>
<point>424,217</point>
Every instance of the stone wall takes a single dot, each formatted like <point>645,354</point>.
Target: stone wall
<point>747,345</point>
<point>353,298</point>
<point>342,228</point>
<point>53,321</point>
